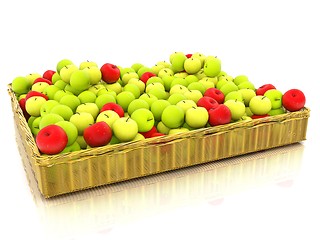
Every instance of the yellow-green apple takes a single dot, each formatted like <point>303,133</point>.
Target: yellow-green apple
<point>103,99</point>
<point>247,94</point>
<point>275,97</point>
<point>80,80</point>
<point>144,118</point>
<point>197,86</point>
<point>21,85</point>
<point>81,120</point>
<point>66,72</point>
<point>134,89</point>
<point>91,108</point>
<point>87,96</point>
<point>157,108</point>
<point>192,65</point>
<point>124,99</point>
<point>136,81</point>
<point>34,104</point>
<point>94,73</point>
<point>137,104</point>
<point>193,95</point>
<point>48,119</point>
<point>127,76</point>
<point>63,110</point>
<point>177,61</point>
<point>186,104</point>
<point>62,63</point>
<point>125,129</point>
<point>174,98</point>
<point>178,88</point>
<point>107,116</point>
<point>71,101</point>
<point>39,86</point>
<point>212,67</point>
<point>71,131</point>
<point>260,105</point>
<point>196,117</point>
<point>240,79</point>
<point>148,97</point>
<point>173,116</point>
<point>87,64</point>
<point>237,109</point>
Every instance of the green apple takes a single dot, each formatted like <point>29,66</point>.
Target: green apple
<point>67,71</point>
<point>125,129</point>
<point>71,101</point>
<point>21,85</point>
<point>200,74</point>
<point>87,97</point>
<point>72,148</point>
<point>137,104</point>
<point>35,125</point>
<point>260,105</point>
<point>114,140</point>
<point>193,95</point>
<point>136,66</point>
<point>159,93</point>
<point>197,117</point>
<point>55,77</point>
<point>197,86</point>
<point>165,72</point>
<point>212,67</point>
<point>103,99</point>
<point>191,79</point>
<point>247,94</point>
<point>173,116</point>
<point>62,63</point>
<point>200,56</point>
<point>149,98</point>
<point>72,90</point>
<point>161,128</point>
<point>164,63</point>
<point>221,81</point>
<point>156,68</point>
<point>63,110</point>
<point>48,119</point>
<point>60,84</point>
<point>167,81</point>
<point>91,108</point>
<point>106,91</point>
<point>124,99</point>
<point>177,61</point>
<point>276,111</point>
<point>138,137</point>
<point>87,64</point>
<point>144,118</point>
<point>81,120</point>
<point>157,108</point>
<point>32,77</point>
<point>47,106</point>
<point>82,143</point>
<point>50,91</point>
<point>125,70</point>
<point>248,112</point>
<point>143,70</point>
<point>80,80</point>
<point>178,88</point>
<point>229,87</point>
<point>95,88</point>
<point>127,76</point>
<point>94,73</point>
<point>154,80</point>
<point>176,97</point>
<point>235,95</point>
<point>179,81</point>
<point>39,87</point>
<point>178,130</point>
<point>34,104</point>
<point>108,116</point>
<point>186,104</point>
<point>134,89</point>
<point>207,83</point>
<point>116,87</point>
<point>141,85</point>
<point>61,93</point>
<point>275,97</point>
<point>240,79</point>
<point>192,65</point>
<point>246,84</point>
<point>237,108</point>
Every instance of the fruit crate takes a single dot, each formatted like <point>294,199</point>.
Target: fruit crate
<point>70,172</point>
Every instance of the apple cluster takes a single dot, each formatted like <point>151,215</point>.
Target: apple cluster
<point>82,106</point>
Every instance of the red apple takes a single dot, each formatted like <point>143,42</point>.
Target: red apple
<point>145,76</point>
<point>110,73</point>
<point>48,74</point>
<point>22,103</point>
<point>189,55</point>
<point>261,90</point>
<point>219,115</point>
<point>35,93</point>
<point>207,102</point>
<point>97,134</point>
<point>215,94</point>
<point>43,80</point>
<point>149,133</point>
<point>114,107</point>
<point>157,134</point>
<point>51,139</point>
<point>293,100</point>
<point>256,116</point>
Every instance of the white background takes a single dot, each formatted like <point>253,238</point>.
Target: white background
<point>270,41</point>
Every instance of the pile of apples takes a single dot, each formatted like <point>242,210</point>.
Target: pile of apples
<point>76,107</point>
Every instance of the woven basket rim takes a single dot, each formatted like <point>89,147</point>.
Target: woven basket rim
<point>62,158</point>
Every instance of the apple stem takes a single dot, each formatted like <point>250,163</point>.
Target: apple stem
<point>127,119</point>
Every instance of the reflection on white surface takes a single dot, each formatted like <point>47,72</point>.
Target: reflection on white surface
<point>101,209</point>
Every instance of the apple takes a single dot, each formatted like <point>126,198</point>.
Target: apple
<point>106,91</point>
<point>143,70</point>
<point>207,102</point>
<point>144,118</point>
<point>196,117</point>
<point>72,90</point>
<point>125,129</point>
<point>114,107</point>
<point>110,73</point>
<point>192,65</point>
<point>262,89</point>
<point>197,86</point>
<point>148,134</point>
<point>257,116</point>
<point>35,125</point>
<point>34,94</point>
<point>260,105</point>
<point>39,86</point>
<point>219,115</point>
<point>277,111</point>
<point>173,116</point>
<point>108,117</point>
<point>55,77</point>
<point>87,64</point>
<point>91,108</point>
<point>240,79</point>
<point>156,68</point>
<point>174,98</point>
<point>87,96</point>
<point>157,108</point>
<point>148,97</point>
<point>104,99</point>
<point>200,56</point>
<point>66,72</point>
<point>63,110</point>
<point>212,67</point>
<point>124,99</point>
<point>229,87</point>
<point>51,139</point>
<point>215,94</point>
<point>98,134</point>
<point>178,88</point>
<point>33,76</point>
<point>275,97</point>
<point>193,95</point>
<point>72,148</point>
<point>22,104</point>
<point>137,104</point>
<point>161,128</point>
<point>71,131</point>
<point>41,79</point>
<point>179,81</point>
<point>71,101</point>
<point>165,72</point>
<point>94,73</point>
<point>136,66</point>
<point>186,104</point>
<point>237,109</point>
<point>138,137</point>
<point>34,104</point>
<point>62,63</point>
<point>247,84</point>
<point>95,88</point>
<point>178,130</point>
<point>293,100</point>
<point>127,76</point>
<point>50,91</point>
<point>140,84</point>
<point>159,93</point>
<point>134,89</point>
<point>21,85</point>
<point>60,84</point>
<point>177,61</point>
<point>48,119</point>
<point>247,94</point>
<point>235,95</point>
<point>82,143</point>
<point>116,87</point>
<point>145,76</point>
<point>81,120</point>
<point>80,80</point>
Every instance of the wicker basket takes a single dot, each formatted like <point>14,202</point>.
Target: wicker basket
<point>69,172</point>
